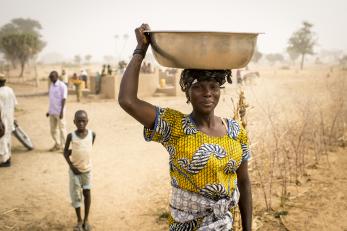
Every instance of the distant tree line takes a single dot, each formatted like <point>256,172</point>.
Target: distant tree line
<point>301,43</point>
<point>21,41</point>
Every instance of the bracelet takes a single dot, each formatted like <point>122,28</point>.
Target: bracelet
<point>140,52</point>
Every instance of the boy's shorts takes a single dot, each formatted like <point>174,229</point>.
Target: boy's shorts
<point>77,183</point>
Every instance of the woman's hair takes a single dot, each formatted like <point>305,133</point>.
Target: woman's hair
<point>189,75</point>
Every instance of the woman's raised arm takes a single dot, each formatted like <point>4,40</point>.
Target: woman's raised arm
<point>142,111</point>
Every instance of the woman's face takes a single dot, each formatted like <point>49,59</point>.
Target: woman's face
<point>204,96</point>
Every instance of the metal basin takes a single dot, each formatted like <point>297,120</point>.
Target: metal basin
<point>202,50</point>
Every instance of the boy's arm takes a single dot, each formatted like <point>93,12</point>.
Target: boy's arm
<point>67,153</point>
<point>94,135</point>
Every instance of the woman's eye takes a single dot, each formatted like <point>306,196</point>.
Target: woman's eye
<point>215,87</point>
<point>196,86</point>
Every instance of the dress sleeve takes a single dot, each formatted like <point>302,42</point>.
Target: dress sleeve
<point>243,138</point>
<point>164,123</point>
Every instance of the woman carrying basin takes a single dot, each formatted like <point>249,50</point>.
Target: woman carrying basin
<point>208,154</point>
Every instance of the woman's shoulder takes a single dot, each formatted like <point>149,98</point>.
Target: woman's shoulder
<point>235,128</point>
<point>169,113</point>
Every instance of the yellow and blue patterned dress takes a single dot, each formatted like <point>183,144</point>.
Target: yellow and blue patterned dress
<point>202,168</point>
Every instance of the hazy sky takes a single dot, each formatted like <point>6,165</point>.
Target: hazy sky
<point>83,27</point>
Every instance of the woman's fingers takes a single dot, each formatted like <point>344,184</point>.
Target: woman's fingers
<point>145,26</point>
<point>140,33</point>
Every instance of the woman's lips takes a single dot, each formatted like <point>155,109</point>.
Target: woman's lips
<point>207,103</point>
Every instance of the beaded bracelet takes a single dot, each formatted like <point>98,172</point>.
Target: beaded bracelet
<point>140,52</point>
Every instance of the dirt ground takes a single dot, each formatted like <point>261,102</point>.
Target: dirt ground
<point>130,176</point>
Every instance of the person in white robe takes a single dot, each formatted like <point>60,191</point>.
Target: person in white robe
<point>7,106</point>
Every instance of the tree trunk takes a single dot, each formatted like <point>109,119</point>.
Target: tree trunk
<point>302,61</point>
<point>22,65</point>
<point>36,75</point>
<point>13,63</point>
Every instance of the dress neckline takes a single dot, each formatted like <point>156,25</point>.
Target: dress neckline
<point>225,124</point>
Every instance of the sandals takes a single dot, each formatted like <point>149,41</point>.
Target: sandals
<point>78,227</point>
<point>82,227</point>
<point>87,227</point>
<point>54,148</point>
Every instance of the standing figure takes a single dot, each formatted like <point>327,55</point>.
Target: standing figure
<point>80,166</point>
<point>84,77</point>
<point>103,70</point>
<point>109,69</point>
<point>97,83</point>
<point>7,105</point>
<point>238,77</point>
<point>64,77</point>
<point>57,99</point>
<point>208,154</point>
<point>77,82</point>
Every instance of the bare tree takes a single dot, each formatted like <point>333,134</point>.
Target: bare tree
<point>20,41</point>
<point>302,42</point>
<point>273,58</point>
<point>108,59</point>
<point>87,58</point>
<point>77,59</point>
<point>293,55</point>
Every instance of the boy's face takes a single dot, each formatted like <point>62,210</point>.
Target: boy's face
<point>81,121</point>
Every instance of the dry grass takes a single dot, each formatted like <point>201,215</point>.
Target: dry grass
<point>296,121</point>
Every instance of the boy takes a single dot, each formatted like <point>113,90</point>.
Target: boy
<point>78,158</point>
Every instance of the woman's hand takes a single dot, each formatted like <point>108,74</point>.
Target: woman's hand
<point>142,39</point>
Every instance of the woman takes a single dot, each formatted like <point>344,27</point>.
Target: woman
<point>208,155</point>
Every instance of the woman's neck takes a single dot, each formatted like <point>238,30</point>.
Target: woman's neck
<point>203,120</point>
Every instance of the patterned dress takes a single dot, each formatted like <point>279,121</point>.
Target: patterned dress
<point>202,169</point>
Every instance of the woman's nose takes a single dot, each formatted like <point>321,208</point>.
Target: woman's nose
<point>207,92</point>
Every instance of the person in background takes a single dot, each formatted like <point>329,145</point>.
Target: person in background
<point>57,99</point>
<point>77,82</point>
<point>97,83</point>
<point>64,77</point>
<point>109,69</point>
<point>84,77</point>
<point>8,103</point>
<point>80,166</point>
<point>103,71</point>
<point>238,77</point>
